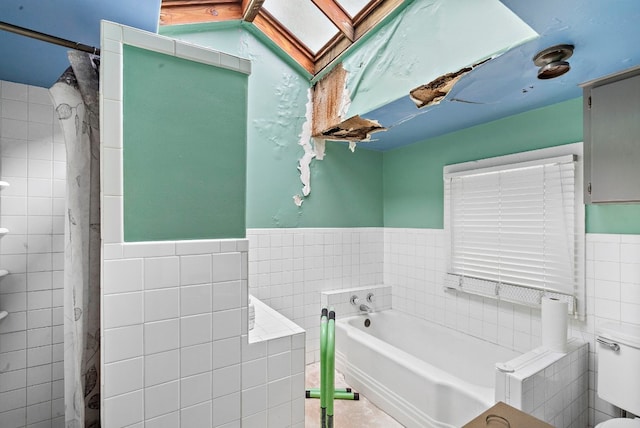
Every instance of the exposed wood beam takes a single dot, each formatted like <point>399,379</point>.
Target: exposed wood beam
<point>187,12</point>
<point>336,15</point>
<point>250,9</point>
<point>283,38</point>
<point>377,11</point>
<point>381,9</point>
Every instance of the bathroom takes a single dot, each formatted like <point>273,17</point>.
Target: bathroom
<point>372,217</point>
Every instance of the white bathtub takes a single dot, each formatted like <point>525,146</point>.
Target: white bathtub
<point>422,374</point>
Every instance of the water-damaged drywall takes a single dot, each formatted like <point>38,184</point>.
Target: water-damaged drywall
<point>347,187</point>
<point>329,103</point>
<point>429,38</point>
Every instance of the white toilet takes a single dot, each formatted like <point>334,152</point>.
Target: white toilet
<point>619,371</point>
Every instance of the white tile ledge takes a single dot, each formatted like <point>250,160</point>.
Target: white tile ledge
<point>170,46</point>
<point>171,248</point>
<point>270,324</point>
<point>537,359</point>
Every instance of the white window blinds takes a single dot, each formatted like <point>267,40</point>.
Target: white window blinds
<point>516,225</point>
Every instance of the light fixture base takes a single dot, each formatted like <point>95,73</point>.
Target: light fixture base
<point>553,54</point>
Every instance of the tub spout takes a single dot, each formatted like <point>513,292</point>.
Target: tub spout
<point>365,308</point>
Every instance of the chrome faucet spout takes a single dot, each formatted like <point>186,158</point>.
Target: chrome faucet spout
<point>365,308</point>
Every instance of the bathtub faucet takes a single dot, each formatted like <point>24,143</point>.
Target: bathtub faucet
<point>365,308</point>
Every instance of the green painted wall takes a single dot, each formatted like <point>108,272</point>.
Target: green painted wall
<point>346,188</point>
<point>413,186</point>
<point>184,153</point>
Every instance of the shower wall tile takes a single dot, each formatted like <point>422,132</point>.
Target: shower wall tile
<point>14,91</point>
<point>112,172</point>
<point>31,336</point>
<point>123,343</point>
<point>111,221</point>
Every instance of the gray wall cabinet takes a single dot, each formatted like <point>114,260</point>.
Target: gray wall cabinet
<point>612,138</point>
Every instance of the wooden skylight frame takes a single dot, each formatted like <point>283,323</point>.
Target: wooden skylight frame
<point>350,30</point>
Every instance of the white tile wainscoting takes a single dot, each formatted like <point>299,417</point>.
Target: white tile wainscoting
<point>551,386</point>
<point>414,265</point>
<point>290,268</point>
<point>177,349</point>
<point>33,162</point>
<point>273,363</point>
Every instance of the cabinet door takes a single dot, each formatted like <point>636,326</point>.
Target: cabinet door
<point>614,141</point>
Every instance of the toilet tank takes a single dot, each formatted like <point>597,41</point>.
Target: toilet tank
<point>619,365</point>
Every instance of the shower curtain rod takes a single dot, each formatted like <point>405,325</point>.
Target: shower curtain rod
<point>48,38</point>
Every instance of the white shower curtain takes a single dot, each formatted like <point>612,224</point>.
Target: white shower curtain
<point>75,96</point>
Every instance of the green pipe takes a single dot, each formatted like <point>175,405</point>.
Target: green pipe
<point>323,368</point>
<point>338,394</point>
<point>331,357</point>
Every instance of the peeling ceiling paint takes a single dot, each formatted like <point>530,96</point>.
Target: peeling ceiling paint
<point>436,90</point>
<point>353,129</point>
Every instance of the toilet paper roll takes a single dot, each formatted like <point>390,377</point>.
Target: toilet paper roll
<point>554,324</point>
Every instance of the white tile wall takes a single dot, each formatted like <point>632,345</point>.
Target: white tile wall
<point>340,300</point>
<point>186,351</point>
<point>273,362</point>
<point>289,268</point>
<point>414,265</point>
<point>32,160</point>
<point>163,340</point>
<point>550,386</point>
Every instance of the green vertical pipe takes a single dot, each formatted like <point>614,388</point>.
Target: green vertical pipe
<point>323,368</point>
<point>331,356</point>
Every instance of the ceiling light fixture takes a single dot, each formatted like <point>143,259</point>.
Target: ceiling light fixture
<point>553,61</point>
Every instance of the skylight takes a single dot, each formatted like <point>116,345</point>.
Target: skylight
<point>352,7</point>
<point>304,20</point>
<point>312,32</point>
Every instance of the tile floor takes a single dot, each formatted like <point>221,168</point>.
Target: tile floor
<point>347,413</point>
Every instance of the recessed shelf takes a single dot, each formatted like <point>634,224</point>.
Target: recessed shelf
<point>3,314</point>
<point>3,184</point>
<point>3,231</point>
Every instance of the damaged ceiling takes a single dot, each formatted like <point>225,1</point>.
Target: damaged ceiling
<point>605,37</point>
<point>604,34</point>
<point>330,101</point>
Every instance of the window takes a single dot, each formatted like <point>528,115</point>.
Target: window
<point>516,226</point>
